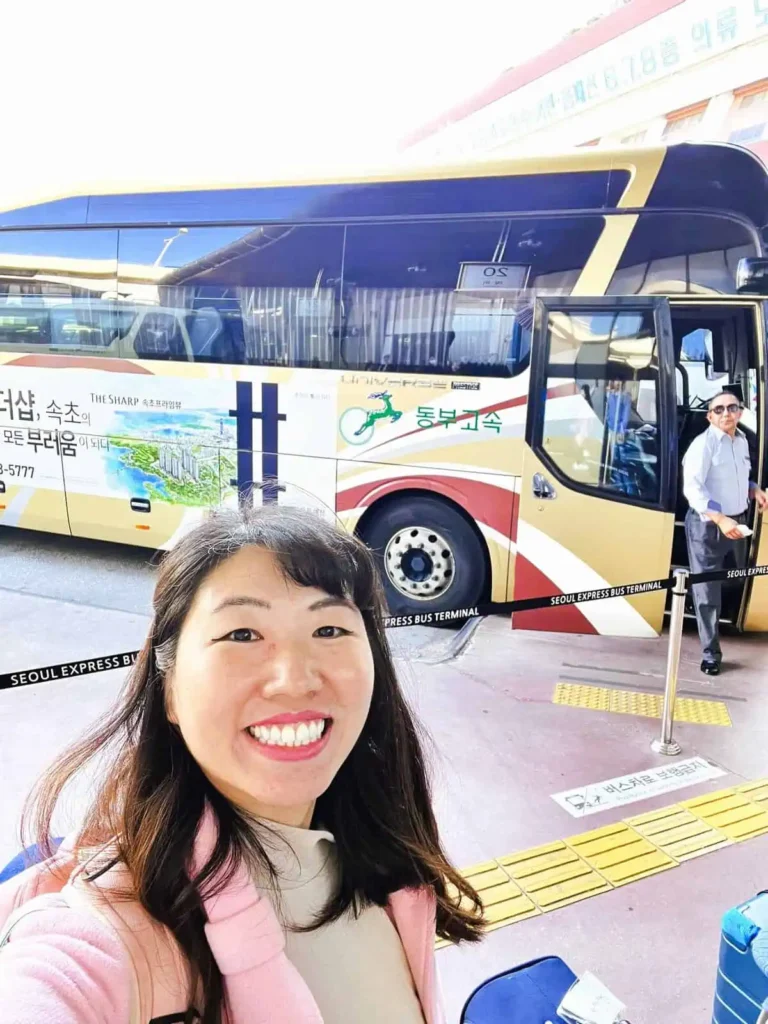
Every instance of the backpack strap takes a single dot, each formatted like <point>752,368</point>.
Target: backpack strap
<point>46,901</point>
<point>68,899</point>
<point>159,972</point>
<point>79,899</point>
<point>157,969</point>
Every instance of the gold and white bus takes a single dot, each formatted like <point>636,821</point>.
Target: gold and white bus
<point>490,372</point>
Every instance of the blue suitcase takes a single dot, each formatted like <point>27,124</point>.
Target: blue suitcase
<point>741,992</point>
<point>528,994</point>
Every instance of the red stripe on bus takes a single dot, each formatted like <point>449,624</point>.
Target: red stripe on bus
<point>531,582</point>
<point>494,506</point>
<point>81,362</point>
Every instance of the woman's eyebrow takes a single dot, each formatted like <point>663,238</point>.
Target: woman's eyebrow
<point>332,602</point>
<point>239,600</point>
<point>243,600</point>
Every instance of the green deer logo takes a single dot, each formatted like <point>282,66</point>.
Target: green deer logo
<point>379,414</point>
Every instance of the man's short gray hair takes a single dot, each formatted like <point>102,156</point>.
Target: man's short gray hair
<point>722,394</point>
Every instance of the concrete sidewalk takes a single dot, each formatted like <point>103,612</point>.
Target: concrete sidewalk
<point>504,748</point>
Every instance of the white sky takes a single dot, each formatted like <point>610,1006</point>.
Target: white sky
<point>107,91</point>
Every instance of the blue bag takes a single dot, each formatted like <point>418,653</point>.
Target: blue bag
<point>23,860</point>
<point>528,994</point>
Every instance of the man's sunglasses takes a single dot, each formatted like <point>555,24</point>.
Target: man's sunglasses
<point>718,410</point>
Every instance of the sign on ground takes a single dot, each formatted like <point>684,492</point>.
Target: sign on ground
<point>627,789</point>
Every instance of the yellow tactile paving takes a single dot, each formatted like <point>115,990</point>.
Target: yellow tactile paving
<point>484,876</point>
<point>679,833</point>
<point>620,854</point>
<point>552,876</point>
<point>571,890</point>
<point>634,702</point>
<point>757,792</point>
<point>504,902</point>
<point>508,911</point>
<point>532,863</point>
<point>731,812</point>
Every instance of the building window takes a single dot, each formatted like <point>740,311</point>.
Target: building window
<point>635,139</point>
<point>682,126</point>
<point>748,118</point>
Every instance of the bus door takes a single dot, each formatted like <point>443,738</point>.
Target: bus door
<point>720,345</point>
<point>754,608</point>
<point>597,493</point>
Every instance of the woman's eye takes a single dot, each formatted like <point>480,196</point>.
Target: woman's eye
<point>242,636</point>
<point>330,632</point>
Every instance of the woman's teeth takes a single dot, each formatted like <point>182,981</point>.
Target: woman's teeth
<point>288,735</point>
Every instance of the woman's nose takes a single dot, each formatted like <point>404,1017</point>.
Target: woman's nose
<point>289,670</point>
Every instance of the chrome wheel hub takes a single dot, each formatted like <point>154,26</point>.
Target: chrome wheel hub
<point>419,563</point>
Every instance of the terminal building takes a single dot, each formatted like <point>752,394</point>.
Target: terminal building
<point>648,72</point>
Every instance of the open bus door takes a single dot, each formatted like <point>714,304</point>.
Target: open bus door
<point>754,606</point>
<point>597,494</point>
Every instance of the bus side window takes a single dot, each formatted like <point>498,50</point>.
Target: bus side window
<point>57,289</point>
<point>265,295</point>
<point>21,325</point>
<point>670,252</point>
<point>455,296</point>
<point>159,336</point>
<point>601,409</point>
<point>520,341</point>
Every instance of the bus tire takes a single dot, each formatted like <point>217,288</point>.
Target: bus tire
<point>430,556</point>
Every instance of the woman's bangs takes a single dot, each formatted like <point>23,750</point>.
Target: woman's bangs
<point>337,570</point>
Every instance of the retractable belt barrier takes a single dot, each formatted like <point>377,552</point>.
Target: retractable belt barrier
<point>89,666</point>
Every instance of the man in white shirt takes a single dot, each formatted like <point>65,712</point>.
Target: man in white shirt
<point>717,487</point>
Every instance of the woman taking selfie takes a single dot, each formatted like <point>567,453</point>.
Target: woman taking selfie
<point>261,846</point>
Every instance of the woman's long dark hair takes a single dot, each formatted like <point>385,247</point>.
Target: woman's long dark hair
<point>153,794</point>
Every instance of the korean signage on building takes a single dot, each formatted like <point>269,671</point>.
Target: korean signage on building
<point>681,37</point>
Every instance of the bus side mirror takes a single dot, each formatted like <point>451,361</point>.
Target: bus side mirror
<point>752,276</point>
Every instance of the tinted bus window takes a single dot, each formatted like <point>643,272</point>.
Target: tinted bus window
<point>55,286</point>
<point>20,325</point>
<point>78,326</point>
<point>264,295</point>
<point>682,252</point>
<point>601,412</point>
<point>455,296</point>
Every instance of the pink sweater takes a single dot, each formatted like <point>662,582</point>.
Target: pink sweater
<point>65,966</point>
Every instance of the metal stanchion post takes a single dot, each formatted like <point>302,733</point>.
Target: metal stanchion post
<point>666,744</point>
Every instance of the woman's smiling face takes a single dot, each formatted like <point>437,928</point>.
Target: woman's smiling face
<point>271,686</point>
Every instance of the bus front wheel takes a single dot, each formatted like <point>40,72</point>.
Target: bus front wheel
<point>431,558</point>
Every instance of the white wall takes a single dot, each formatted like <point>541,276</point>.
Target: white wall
<point>660,66</point>
<point>649,105</point>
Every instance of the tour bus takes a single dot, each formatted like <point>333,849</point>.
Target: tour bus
<point>490,372</point>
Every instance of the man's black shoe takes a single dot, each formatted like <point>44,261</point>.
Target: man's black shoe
<point>710,668</point>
